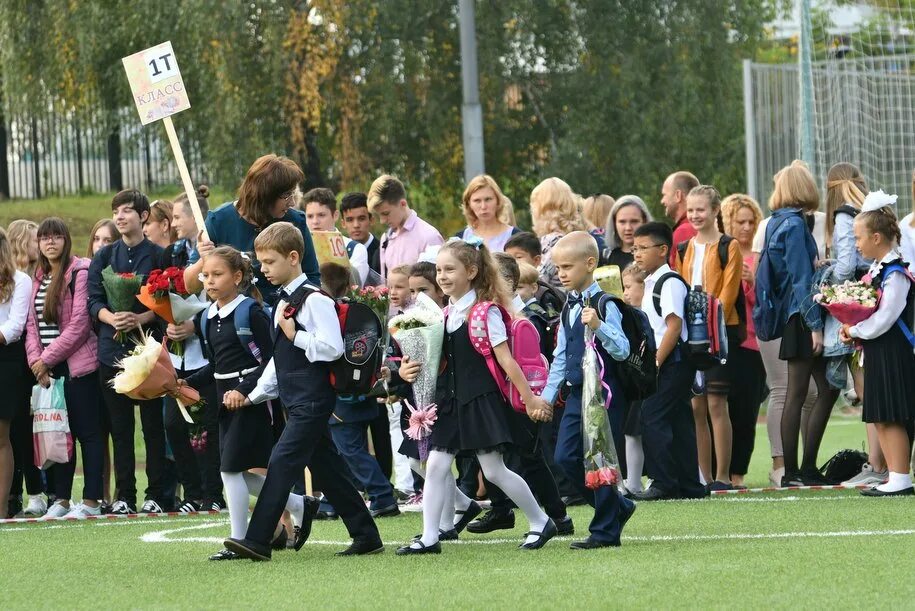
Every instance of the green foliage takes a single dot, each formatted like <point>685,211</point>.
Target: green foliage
<point>610,95</point>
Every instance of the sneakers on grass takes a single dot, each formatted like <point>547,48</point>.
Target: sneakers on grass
<point>57,510</point>
<point>189,506</point>
<point>868,477</point>
<point>81,511</point>
<point>122,508</point>
<point>150,506</point>
<point>36,507</point>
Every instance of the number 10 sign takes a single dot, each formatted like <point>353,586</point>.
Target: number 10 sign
<point>155,82</point>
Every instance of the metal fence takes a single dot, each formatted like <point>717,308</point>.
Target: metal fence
<point>59,153</point>
<point>864,114</point>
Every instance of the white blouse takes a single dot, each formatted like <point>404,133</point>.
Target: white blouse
<point>456,314</point>
<point>15,311</point>
<point>907,246</point>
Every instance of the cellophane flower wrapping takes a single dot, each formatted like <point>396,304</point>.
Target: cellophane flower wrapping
<point>147,373</point>
<point>420,331</point>
<point>121,291</point>
<point>601,462</point>
<point>849,302</point>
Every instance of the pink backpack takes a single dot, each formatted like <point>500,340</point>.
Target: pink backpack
<point>524,343</point>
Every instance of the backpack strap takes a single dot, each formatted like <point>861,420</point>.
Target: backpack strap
<point>681,250</point>
<point>656,292</point>
<point>350,247</point>
<point>723,245</point>
<point>902,269</point>
<point>243,328</point>
<point>478,330</point>
<point>846,209</point>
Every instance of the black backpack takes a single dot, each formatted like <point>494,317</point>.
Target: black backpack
<point>638,374</point>
<point>843,466</point>
<point>355,373</point>
<point>723,257</point>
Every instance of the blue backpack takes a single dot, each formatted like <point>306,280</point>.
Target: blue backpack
<point>768,315</point>
<point>242,320</point>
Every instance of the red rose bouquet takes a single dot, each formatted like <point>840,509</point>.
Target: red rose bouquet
<point>166,294</point>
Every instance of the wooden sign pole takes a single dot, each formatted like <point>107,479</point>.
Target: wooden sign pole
<point>185,177</point>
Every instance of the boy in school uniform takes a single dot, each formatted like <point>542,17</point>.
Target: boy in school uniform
<point>668,429</point>
<point>307,338</point>
<point>320,207</point>
<point>575,257</point>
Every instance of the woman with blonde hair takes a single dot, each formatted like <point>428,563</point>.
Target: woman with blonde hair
<point>158,228</point>
<point>485,207</point>
<point>742,215</point>
<point>627,214</point>
<point>15,379</point>
<point>555,211</point>
<point>23,237</point>
<point>785,309</point>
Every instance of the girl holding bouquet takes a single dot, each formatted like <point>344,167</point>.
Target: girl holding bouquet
<point>889,373</point>
<point>60,344</point>
<point>473,415</point>
<point>245,434</point>
<point>200,493</point>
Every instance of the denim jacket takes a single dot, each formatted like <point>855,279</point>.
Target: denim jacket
<point>849,262</point>
<point>792,253</point>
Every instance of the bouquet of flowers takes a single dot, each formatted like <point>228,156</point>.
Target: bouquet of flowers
<point>849,302</point>
<point>375,297</point>
<point>419,331</point>
<point>196,429</point>
<point>120,291</point>
<point>602,466</point>
<point>147,373</point>
<point>165,294</point>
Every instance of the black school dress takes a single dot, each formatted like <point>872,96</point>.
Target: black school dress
<point>889,370</point>
<point>246,435</point>
<point>472,415</point>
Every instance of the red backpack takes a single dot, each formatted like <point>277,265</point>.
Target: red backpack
<point>524,343</point>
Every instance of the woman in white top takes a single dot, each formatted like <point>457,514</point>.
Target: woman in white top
<point>488,213</point>
<point>15,377</point>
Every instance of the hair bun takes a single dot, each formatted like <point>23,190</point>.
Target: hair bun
<point>203,191</point>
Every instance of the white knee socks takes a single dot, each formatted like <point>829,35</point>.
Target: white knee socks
<point>237,501</point>
<point>896,482</point>
<point>635,462</point>
<point>514,486</point>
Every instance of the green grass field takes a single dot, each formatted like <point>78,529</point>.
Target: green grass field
<point>785,549</point>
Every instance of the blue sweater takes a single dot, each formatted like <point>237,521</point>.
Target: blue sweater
<point>226,228</point>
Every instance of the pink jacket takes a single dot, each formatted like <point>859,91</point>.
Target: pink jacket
<point>76,344</point>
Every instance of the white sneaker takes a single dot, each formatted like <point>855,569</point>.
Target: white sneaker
<point>57,510</point>
<point>414,504</point>
<point>775,477</point>
<point>867,477</point>
<point>82,512</point>
<point>37,506</point>
<point>150,506</point>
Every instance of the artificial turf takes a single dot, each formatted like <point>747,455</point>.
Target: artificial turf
<point>783,549</point>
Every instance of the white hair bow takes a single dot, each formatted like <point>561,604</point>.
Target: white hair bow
<point>875,200</point>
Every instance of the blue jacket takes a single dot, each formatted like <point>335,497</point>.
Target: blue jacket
<point>792,253</point>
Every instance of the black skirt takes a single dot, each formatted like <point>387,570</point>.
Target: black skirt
<point>797,341</point>
<point>632,419</point>
<point>16,380</point>
<point>889,378</point>
<point>246,436</point>
<point>479,425</point>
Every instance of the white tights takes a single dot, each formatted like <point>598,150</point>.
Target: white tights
<point>238,487</point>
<point>635,461</point>
<point>440,484</point>
<point>455,499</point>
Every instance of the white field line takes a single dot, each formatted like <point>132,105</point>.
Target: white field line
<point>163,536</point>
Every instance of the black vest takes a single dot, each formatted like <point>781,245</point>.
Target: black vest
<point>299,380</point>
<point>471,378</point>
<point>575,352</point>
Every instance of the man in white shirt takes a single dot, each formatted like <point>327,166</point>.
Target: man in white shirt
<point>320,207</point>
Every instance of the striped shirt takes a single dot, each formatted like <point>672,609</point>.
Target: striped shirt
<point>47,332</point>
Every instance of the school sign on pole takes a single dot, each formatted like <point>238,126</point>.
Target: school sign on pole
<point>158,93</point>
